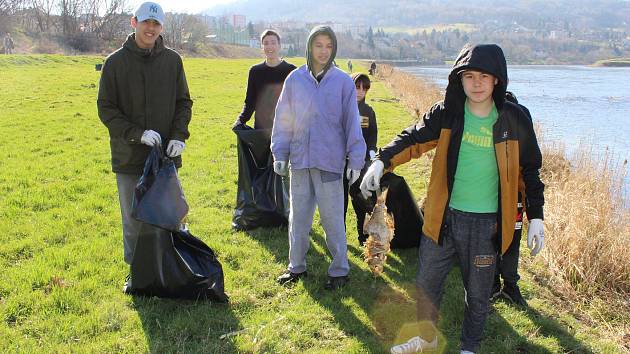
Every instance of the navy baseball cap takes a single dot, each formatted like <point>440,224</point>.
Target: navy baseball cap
<point>149,11</point>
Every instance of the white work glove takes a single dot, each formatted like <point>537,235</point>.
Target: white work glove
<point>372,179</point>
<point>352,175</point>
<point>535,234</point>
<point>151,138</point>
<point>372,154</point>
<point>281,168</point>
<point>175,148</point>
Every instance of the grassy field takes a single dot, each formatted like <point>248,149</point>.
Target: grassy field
<point>617,62</point>
<point>61,266</point>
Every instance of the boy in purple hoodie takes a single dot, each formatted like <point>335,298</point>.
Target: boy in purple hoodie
<point>316,128</point>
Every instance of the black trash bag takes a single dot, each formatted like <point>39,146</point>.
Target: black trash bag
<point>262,198</point>
<point>158,198</point>
<point>175,265</point>
<point>408,219</point>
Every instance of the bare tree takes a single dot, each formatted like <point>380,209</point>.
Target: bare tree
<point>103,17</point>
<point>43,13</point>
<point>174,29</point>
<point>70,13</point>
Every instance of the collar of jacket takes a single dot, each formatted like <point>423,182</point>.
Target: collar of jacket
<point>132,46</point>
<point>324,77</point>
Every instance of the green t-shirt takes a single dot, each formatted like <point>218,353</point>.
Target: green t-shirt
<point>476,187</point>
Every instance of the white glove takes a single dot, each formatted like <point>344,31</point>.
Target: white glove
<point>372,179</point>
<point>281,168</point>
<point>372,154</point>
<point>352,175</point>
<point>535,234</point>
<point>175,148</point>
<point>151,138</point>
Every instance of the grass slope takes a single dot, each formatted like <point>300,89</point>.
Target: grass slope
<point>61,267</point>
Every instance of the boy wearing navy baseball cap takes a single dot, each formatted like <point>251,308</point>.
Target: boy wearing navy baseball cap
<point>143,100</point>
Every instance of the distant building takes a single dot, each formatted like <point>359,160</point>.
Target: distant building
<point>239,21</point>
<point>288,25</point>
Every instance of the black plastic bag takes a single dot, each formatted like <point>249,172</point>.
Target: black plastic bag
<point>175,265</point>
<point>158,198</point>
<point>401,204</point>
<point>261,200</point>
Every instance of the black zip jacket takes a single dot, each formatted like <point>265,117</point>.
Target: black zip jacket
<point>518,155</point>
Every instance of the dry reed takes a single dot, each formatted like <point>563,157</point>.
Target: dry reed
<point>415,95</point>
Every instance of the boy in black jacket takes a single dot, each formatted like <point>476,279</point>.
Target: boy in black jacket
<point>485,147</point>
<point>370,132</point>
<point>143,100</point>
<point>264,84</point>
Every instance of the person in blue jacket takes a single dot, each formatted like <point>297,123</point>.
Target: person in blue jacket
<point>316,129</point>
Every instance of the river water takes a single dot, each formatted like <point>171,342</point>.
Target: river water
<point>587,107</point>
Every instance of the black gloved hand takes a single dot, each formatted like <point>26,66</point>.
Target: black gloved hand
<point>238,125</point>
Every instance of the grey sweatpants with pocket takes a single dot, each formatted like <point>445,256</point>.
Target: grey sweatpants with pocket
<point>309,188</point>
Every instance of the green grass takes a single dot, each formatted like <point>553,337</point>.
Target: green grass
<point>616,62</point>
<point>61,260</point>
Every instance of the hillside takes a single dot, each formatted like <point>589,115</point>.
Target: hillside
<point>383,13</point>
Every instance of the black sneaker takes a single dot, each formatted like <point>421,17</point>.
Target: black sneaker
<point>513,293</point>
<point>127,286</point>
<point>289,277</point>
<point>336,282</point>
<point>496,290</point>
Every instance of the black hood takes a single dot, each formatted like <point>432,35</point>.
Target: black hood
<point>487,58</point>
<point>131,45</point>
<point>314,33</point>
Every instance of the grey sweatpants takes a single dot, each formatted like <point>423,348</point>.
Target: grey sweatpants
<point>310,188</point>
<point>469,241</point>
<point>131,227</point>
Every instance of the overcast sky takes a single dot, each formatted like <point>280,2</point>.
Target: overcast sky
<point>186,6</point>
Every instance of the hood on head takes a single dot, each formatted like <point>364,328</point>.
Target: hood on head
<point>314,33</point>
<point>487,58</point>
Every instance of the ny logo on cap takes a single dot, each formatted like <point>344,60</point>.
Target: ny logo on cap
<point>153,8</point>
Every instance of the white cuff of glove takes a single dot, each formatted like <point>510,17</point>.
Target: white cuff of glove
<point>175,148</point>
<point>281,168</point>
<point>372,179</point>
<point>151,138</point>
<point>535,236</point>
<point>352,175</point>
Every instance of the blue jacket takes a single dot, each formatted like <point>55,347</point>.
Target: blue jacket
<point>317,125</point>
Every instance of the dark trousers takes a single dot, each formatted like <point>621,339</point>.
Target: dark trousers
<point>469,240</point>
<point>359,207</point>
<point>507,264</point>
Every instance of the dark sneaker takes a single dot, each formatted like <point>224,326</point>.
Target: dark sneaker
<point>496,290</point>
<point>336,282</point>
<point>513,293</point>
<point>127,286</point>
<point>289,277</point>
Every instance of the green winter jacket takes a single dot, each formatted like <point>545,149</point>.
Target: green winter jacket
<point>142,90</point>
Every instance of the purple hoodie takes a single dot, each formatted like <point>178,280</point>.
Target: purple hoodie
<point>317,125</point>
